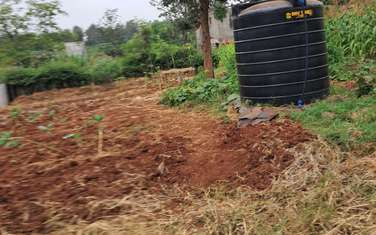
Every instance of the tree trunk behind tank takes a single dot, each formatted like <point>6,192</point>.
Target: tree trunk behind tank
<point>206,41</point>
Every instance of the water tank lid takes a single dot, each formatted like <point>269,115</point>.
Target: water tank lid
<point>266,6</point>
<point>274,5</point>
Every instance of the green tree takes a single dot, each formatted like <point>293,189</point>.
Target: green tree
<point>28,31</point>
<point>111,30</point>
<point>131,27</point>
<point>194,13</point>
<point>19,16</point>
<point>94,35</point>
<point>78,33</point>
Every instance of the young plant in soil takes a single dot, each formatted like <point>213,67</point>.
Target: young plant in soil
<point>34,116</point>
<point>7,141</point>
<point>15,113</point>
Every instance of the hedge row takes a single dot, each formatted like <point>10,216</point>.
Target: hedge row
<point>59,74</point>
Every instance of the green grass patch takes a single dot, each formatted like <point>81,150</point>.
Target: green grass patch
<point>201,90</point>
<point>345,121</point>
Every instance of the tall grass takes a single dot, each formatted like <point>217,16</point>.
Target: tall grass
<point>351,38</point>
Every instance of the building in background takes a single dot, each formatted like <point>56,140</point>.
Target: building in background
<point>220,30</point>
<point>75,48</point>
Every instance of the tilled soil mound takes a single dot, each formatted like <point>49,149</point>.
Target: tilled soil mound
<point>68,158</point>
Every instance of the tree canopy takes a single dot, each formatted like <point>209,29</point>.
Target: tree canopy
<point>194,14</point>
<point>111,29</point>
<point>20,16</point>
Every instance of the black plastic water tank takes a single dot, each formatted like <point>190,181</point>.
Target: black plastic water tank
<point>281,52</point>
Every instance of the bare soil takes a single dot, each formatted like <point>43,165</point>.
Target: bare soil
<point>55,174</point>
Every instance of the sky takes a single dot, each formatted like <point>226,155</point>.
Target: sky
<point>85,12</point>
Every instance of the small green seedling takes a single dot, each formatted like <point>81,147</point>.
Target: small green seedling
<point>15,113</point>
<point>33,117</point>
<point>7,141</point>
<point>98,118</point>
<point>51,113</point>
<point>72,136</point>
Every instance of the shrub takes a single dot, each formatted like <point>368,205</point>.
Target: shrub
<point>227,59</point>
<point>29,50</point>
<point>167,56</point>
<point>18,76</point>
<point>136,60</point>
<point>62,74</point>
<point>201,90</point>
<point>147,52</point>
<point>108,49</point>
<point>104,70</point>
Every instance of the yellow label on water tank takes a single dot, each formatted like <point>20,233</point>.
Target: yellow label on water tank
<point>299,14</point>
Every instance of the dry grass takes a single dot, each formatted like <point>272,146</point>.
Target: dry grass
<point>358,6</point>
<point>323,192</point>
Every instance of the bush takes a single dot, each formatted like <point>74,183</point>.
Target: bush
<point>105,70</point>
<point>167,56</point>
<point>227,59</point>
<point>29,50</point>
<point>136,60</point>
<point>18,76</point>
<point>62,74</point>
<point>55,74</point>
<point>147,52</point>
<point>203,90</point>
<point>107,49</point>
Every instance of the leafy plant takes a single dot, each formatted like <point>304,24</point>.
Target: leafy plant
<point>33,116</point>
<point>18,76</point>
<point>203,90</point>
<point>7,141</point>
<point>62,74</point>
<point>98,118</point>
<point>15,113</point>
<point>105,70</point>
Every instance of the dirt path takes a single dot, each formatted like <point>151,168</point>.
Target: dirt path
<point>66,160</point>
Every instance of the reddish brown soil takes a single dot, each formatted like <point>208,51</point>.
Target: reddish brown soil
<point>49,176</point>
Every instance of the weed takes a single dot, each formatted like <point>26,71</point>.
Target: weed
<point>34,116</point>
<point>15,113</point>
<point>52,113</point>
<point>7,141</point>
<point>98,118</point>
<point>72,136</point>
<point>201,90</point>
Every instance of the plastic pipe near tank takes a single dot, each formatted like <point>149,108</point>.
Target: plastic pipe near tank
<point>4,100</point>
